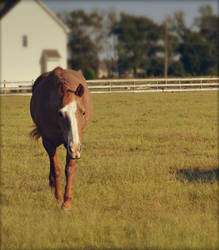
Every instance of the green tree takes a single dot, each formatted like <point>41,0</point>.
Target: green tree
<point>84,41</point>
<point>137,43</point>
<point>196,49</point>
<point>197,55</point>
<point>176,30</point>
<point>110,18</point>
<point>208,23</point>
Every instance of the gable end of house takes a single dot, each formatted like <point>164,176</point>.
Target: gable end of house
<point>8,5</point>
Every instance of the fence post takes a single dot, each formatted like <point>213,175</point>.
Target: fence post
<point>4,84</point>
<point>133,86</point>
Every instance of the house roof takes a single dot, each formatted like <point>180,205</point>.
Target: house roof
<point>51,53</point>
<point>8,5</point>
<point>50,13</point>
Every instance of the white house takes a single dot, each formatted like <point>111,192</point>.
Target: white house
<point>33,40</point>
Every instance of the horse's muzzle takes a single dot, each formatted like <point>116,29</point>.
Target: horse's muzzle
<point>74,151</point>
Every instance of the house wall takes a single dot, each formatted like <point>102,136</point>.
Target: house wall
<point>20,63</point>
<point>51,64</point>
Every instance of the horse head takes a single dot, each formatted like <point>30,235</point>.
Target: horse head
<point>72,115</point>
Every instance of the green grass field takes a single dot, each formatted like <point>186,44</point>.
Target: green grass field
<point>147,179</point>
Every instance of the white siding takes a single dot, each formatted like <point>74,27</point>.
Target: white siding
<point>51,64</point>
<point>24,63</point>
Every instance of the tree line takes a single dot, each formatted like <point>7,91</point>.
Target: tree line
<point>137,45</point>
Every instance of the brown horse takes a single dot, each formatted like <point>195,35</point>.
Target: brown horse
<point>60,107</point>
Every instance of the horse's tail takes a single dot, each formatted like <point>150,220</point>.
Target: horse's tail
<point>35,133</point>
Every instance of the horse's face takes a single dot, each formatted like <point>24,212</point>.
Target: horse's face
<point>71,118</point>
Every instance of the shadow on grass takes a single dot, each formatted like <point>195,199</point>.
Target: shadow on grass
<point>197,175</point>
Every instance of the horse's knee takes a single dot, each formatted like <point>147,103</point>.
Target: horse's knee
<point>70,170</point>
<point>57,172</point>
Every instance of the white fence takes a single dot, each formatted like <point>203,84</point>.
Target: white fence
<point>128,85</point>
<point>153,85</point>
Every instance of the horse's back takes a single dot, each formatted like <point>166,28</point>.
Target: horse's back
<point>34,104</point>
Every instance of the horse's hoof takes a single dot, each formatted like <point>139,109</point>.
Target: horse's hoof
<point>66,208</point>
<point>59,200</point>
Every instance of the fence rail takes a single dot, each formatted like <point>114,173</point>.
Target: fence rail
<point>128,85</point>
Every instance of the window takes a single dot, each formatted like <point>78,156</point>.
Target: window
<point>24,40</point>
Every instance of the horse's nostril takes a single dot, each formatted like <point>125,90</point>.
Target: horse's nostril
<point>60,114</point>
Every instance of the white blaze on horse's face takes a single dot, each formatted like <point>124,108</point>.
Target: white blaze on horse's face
<point>74,145</point>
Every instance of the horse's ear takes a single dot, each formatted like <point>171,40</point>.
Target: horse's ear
<point>80,90</point>
<point>60,90</point>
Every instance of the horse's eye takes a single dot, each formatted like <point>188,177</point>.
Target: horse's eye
<point>83,113</point>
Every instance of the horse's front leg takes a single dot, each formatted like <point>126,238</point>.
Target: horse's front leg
<point>54,175</point>
<point>69,173</point>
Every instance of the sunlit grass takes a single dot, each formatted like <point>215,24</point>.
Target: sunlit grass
<point>148,176</point>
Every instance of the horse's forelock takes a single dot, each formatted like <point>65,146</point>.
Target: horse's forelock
<point>58,71</point>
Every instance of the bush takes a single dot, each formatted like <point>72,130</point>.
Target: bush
<point>89,74</point>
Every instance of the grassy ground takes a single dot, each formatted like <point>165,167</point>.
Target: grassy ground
<point>147,179</point>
